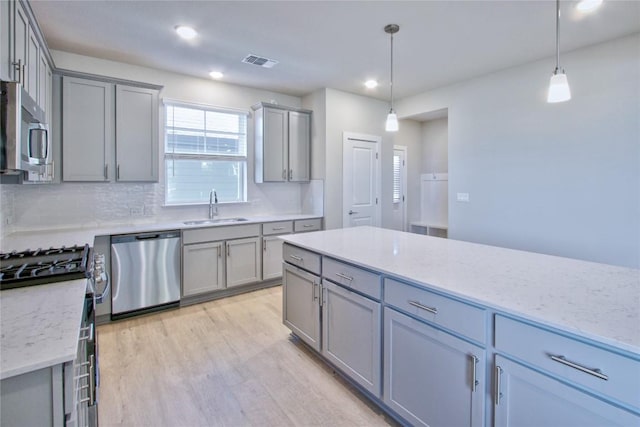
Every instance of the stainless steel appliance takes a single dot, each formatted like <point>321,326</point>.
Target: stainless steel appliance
<point>145,272</point>
<point>26,155</point>
<point>46,266</point>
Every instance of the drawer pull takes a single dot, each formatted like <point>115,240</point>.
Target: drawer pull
<point>344,276</point>
<point>277,228</point>
<point>433,310</point>
<point>564,361</point>
<point>297,258</point>
<point>308,225</point>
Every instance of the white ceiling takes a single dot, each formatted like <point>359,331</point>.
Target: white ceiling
<point>337,44</point>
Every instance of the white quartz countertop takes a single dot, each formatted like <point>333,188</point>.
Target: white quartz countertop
<point>23,240</point>
<point>39,326</point>
<point>597,301</point>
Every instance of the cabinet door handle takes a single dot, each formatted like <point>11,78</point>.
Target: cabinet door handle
<point>290,174</point>
<point>321,296</point>
<point>433,310</point>
<point>106,171</point>
<point>118,172</point>
<point>297,258</point>
<point>474,376</point>
<point>314,296</point>
<point>17,66</point>
<point>228,250</point>
<point>284,174</point>
<point>219,252</point>
<point>24,74</point>
<point>595,372</point>
<point>498,375</point>
<point>344,276</point>
<point>264,245</point>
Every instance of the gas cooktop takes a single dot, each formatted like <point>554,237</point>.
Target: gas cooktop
<point>41,266</point>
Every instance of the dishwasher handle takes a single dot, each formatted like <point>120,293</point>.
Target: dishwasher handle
<point>148,237</point>
<point>125,238</point>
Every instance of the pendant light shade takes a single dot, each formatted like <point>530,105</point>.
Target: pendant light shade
<point>392,119</point>
<point>392,122</point>
<point>559,85</point>
<point>559,88</point>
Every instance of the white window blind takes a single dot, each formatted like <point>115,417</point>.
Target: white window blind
<point>397,188</point>
<point>205,148</point>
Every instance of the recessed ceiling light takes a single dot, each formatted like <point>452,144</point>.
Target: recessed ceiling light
<point>371,84</point>
<point>185,32</point>
<point>216,75</point>
<point>586,6</point>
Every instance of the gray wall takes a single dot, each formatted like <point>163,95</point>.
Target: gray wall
<point>346,112</point>
<point>435,150</point>
<point>560,179</point>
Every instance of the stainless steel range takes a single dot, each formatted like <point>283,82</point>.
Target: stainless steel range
<point>41,267</point>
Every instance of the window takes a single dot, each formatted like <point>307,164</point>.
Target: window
<point>205,148</point>
<point>397,178</point>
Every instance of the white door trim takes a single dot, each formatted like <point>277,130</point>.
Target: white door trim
<point>355,137</point>
<point>403,178</point>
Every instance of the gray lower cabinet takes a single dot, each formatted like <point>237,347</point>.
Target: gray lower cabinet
<point>243,261</point>
<point>202,268</point>
<point>300,304</point>
<point>22,394</point>
<point>271,257</point>
<point>351,335</point>
<point>432,378</point>
<point>526,397</point>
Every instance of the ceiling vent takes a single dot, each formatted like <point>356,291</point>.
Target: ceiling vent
<point>259,61</point>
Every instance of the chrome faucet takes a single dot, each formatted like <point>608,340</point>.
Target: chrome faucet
<point>213,203</point>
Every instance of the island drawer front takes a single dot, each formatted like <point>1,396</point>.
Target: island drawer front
<point>212,234</point>
<point>302,258</point>
<point>280,227</point>
<point>457,316</point>
<point>308,225</point>
<point>535,346</point>
<point>352,277</point>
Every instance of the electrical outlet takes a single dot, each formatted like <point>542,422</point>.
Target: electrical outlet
<point>462,197</point>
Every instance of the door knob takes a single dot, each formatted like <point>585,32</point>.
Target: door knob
<point>352,212</point>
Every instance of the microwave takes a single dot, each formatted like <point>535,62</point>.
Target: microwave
<point>25,141</point>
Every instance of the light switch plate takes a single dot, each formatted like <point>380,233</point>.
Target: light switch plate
<point>462,197</point>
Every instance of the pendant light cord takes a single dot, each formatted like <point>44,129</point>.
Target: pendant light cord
<point>391,71</point>
<point>557,36</point>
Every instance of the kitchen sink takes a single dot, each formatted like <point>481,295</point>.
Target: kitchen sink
<point>214,221</point>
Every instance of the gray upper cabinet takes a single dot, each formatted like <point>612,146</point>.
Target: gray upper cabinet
<point>283,144</point>
<point>109,131</point>
<point>136,134</point>
<point>20,44</point>
<point>6,41</point>
<point>87,129</point>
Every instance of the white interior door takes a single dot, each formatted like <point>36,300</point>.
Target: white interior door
<point>360,180</point>
<point>399,188</point>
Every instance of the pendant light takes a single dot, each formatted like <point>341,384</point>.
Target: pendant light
<point>392,119</point>
<point>559,85</point>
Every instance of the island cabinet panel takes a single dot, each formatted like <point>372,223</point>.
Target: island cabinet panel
<point>300,304</point>
<point>599,370</point>
<point>460,317</point>
<point>351,335</point>
<point>526,397</point>
<point>432,378</point>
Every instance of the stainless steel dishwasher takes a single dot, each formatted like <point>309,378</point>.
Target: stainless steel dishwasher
<point>145,272</point>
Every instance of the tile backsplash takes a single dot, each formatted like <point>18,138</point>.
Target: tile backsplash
<point>73,205</point>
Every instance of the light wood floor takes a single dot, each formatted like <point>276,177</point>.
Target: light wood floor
<point>228,362</point>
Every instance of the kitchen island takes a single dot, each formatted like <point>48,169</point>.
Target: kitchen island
<point>517,323</point>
